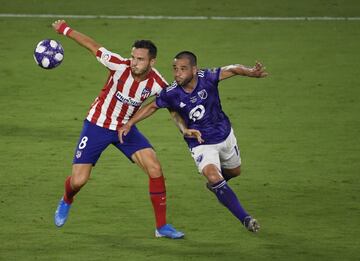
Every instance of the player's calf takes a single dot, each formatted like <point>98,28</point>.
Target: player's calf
<point>230,173</point>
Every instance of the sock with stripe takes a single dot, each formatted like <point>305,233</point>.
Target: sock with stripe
<point>228,198</point>
<point>158,199</point>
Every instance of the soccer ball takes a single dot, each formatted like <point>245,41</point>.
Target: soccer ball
<point>48,54</point>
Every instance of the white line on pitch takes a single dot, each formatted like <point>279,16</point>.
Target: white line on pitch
<point>161,17</point>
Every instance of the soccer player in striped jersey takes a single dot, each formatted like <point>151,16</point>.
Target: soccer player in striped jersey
<point>194,95</point>
<point>130,82</point>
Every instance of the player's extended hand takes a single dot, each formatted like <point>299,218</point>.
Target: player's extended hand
<point>61,27</point>
<point>192,133</point>
<point>123,131</point>
<point>56,25</point>
<point>258,71</point>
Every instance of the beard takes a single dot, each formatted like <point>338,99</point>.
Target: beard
<point>184,82</point>
<point>139,72</point>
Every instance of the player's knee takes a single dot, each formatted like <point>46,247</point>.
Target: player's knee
<point>154,170</point>
<point>212,174</point>
<point>78,181</point>
<point>214,178</point>
<point>237,172</point>
<point>79,178</point>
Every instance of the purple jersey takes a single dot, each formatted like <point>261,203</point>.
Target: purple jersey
<point>201,109</point>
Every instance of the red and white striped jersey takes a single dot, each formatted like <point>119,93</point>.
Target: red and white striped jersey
<point>121,96</point>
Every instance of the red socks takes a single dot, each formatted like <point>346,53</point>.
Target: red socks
<point>157,195</point>
<point>69,192</point>
<point>158,198</point>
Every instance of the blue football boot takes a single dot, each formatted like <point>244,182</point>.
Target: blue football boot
<point>169,232</point>
<point>61,213</point>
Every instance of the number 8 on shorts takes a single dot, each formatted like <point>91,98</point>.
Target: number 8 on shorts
<point>83,142</point>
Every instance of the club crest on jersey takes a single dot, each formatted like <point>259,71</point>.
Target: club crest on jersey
<point>78,154</point>
<point>203,94</point>
<point>145,93</point>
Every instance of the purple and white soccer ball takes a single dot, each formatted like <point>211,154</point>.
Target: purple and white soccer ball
<point>48,54</point>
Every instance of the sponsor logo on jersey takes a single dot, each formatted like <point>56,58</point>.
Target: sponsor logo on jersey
<point>182,105</point>
<point>197,113</point>
<point>127,100</point>
<point>193,99</point>
<point>203,94</point>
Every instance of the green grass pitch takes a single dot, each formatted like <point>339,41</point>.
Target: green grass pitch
<point>298,130</point>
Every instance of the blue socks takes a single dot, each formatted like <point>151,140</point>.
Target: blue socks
<point>228,198</point>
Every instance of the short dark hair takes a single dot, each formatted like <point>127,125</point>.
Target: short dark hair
<point>146,44</point>
<point>189,55</point>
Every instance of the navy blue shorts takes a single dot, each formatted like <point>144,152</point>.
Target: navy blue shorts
<point>94,140</point>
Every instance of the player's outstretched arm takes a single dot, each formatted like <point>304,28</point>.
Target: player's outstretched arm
<point>141,114</point>
<point>180,123</point>
<point>258,71</point>
<point>61,27</point>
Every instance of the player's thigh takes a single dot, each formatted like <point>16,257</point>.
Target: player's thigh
<point>229,153</point>
<point>92,142</point>
<point>204,155</point>
<point>147,160</point>
<point>133,142</point>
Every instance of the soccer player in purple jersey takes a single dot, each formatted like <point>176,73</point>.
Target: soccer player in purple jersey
<point>194,95</point>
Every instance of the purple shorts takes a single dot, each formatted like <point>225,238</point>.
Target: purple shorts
<point>94,140</point>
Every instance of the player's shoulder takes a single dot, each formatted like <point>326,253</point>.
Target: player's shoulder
<point>203,73</point>
<point>172,87</point>
<point>209,74</point>
<point>206,71</point>
<point>106,55</point>
<point>158,78</point>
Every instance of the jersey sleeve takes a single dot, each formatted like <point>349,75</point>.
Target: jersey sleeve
<point>162,100</point>
<point>159,82</point>
<point>213,75</point>
<point>111,60</point>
